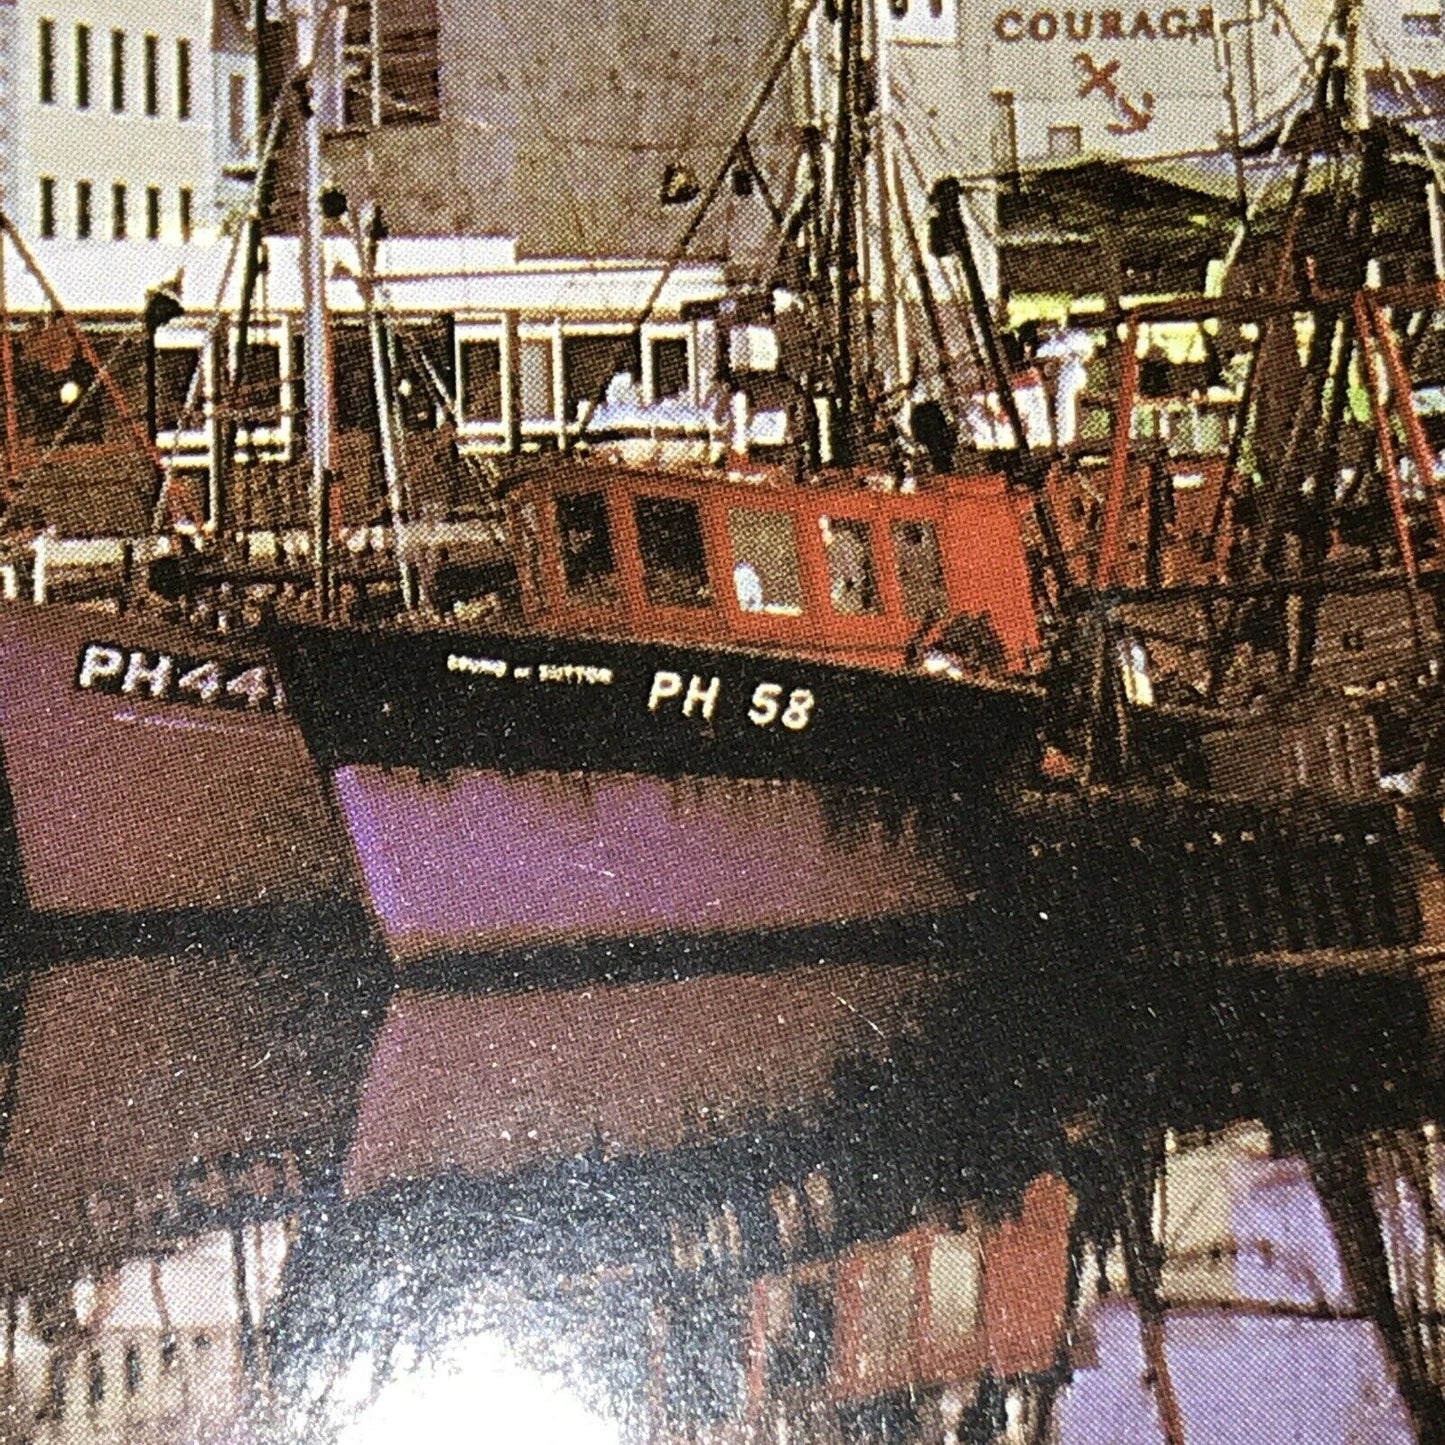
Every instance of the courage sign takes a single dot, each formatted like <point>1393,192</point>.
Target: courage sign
<point>1076,26</point>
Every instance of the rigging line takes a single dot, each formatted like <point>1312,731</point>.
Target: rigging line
<point>1309,56</point>
<point>217,320</point>
<point>898,90</point>
<point>960,306</point>
<point>704,205</point>
<point>81,402</point>
<point>989,232</point>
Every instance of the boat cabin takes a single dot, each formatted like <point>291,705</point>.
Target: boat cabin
<point>842,572</point>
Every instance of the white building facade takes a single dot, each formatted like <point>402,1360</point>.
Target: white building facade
<point>1050,79</point>
<point>118,119</point>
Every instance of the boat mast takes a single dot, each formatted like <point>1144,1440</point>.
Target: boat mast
<point>7,382</point>
<point>255,230</point>
<point>845,241</point>
<point>881,152</point>
<point>314,22</point>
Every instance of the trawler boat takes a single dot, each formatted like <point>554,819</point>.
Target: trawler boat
<point>692,694</point>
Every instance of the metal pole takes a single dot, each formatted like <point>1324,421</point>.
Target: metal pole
<point>892,292</point>
<point>925,292</point>
<point>1437,227</point>
<point>235,393</point>
<point>375,38</point>
<point>844,241</point>
<point>150,401</point>
<point>311,31</point>
<point>385,419</point>
<point>7,380</point>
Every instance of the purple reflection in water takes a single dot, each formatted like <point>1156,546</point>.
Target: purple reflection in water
<point>484,858</point>
<point>1287,1250</point>
<point>1241,1380</point>
<point>1244,1378</point>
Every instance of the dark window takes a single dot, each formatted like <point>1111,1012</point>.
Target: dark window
<point>47,62</point>
<point>82,403</point>
<point>590,362</point>
<point>53,384</point>
<point>168,1352</point>
<point>481,381</point>
<point>82,209</point>
<point>674,562</point>
<point>298,389</point>
<point>1422,27</point>
<point>47,206</point>
<point>82,67</point>
<point>410,64</point>
<point>175,365</point>
<point>183,207</point>
<point>850,565</point>
<point>238,127</point>
<point>669,368</point>
<point>261,392</point>
<point>132,1369</point>
<point>589,566</point>
<point>118,211</point>
<point>153,213</point>
<point>152,75</point>
<point>183,79</point>
<point>97,1380</point>
<point>765,562</point>
<point>920,569</point>
<point>351,369</point>
<point>413,393</point>
<point>117,70</point>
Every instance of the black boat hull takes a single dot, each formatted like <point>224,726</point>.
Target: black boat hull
<point>518,703</point>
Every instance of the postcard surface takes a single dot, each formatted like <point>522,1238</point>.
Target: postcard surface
<point>722,724</point>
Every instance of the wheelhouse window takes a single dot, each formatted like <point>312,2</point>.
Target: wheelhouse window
<point>238,121</point>
<point>852,584</point>
<point>920,569</point>
<point>589,565</point>
<point>351,366</point>
<point>261,386</point>
<point>82,210</point>
<point>766,577</point>
<point>47,207</point>
<point>674,560</point>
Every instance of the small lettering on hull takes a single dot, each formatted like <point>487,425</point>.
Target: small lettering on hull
<point>499,669</point>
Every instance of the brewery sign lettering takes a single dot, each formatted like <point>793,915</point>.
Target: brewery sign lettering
<point>1080,27</point>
